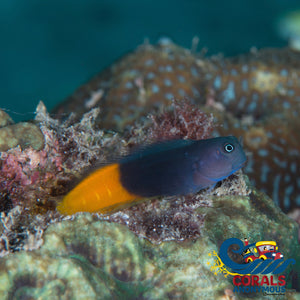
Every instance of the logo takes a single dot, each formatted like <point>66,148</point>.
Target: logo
<point>254,267</point>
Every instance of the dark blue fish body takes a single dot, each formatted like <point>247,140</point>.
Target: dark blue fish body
<point>180,167</point>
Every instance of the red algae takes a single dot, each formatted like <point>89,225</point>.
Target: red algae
<point>184,121</point>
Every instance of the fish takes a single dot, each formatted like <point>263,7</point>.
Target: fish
<point>256,90</point>
<point>170,168</point>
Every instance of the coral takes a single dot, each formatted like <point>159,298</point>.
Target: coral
<point>138,84</point>
<point>160,247</point>
<point>35,180</point>
<point>84,257</point>
<point>23,134</point>
<point>257,95</point>
<point>295,215</point>
<point>5,119</point>
<point>81,259</point>
<point>261,90</point>
<point>32,181</point>
<point>273,154</point>
<point>261,84</point>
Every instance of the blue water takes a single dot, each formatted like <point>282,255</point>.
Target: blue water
<point>50,47</point>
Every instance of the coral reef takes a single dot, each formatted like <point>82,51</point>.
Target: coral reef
<point>33,181</point>
<point>157,249</point>
<point>274,156</point>
<point>85,257</point>
<point>257,95</point>
<point>67,268</point>
<point>19,230</point>
<point>261,83</point>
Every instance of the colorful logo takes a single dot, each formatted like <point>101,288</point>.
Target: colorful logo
<point>259,267</point>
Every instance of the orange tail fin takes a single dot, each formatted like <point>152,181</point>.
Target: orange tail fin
<point>101,191</point>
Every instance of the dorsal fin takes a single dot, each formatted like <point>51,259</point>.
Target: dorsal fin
<point>156,148</point>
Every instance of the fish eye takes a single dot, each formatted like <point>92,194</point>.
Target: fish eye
<point>228,148</point>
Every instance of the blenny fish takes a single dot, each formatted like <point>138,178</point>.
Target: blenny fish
<point>176,167</point>
<point>257,89</point>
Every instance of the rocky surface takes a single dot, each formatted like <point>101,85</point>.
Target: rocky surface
<point>87,257</point>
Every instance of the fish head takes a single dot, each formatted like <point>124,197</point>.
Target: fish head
<point>219,158</point>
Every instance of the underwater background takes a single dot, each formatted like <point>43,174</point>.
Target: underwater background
<point>49,48</point>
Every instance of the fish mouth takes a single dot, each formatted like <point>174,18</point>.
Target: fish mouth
<point>234,169</point>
